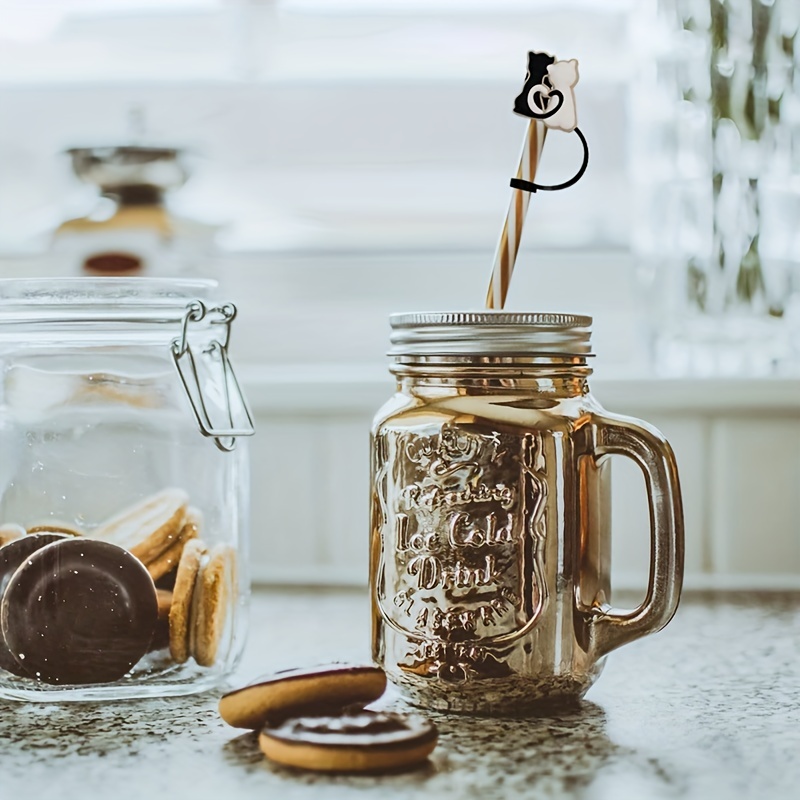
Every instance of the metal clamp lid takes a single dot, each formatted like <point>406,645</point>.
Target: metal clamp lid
<point>239,421</point>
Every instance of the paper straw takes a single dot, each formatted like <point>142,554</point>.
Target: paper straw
<point>507,247</point>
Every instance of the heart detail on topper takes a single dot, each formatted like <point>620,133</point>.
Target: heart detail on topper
<point>553,100</point>
<point>549,92</point>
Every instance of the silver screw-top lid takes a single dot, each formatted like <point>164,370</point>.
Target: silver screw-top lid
<point>490,333</point>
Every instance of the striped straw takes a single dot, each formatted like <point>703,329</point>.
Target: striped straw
<point>507,247</point>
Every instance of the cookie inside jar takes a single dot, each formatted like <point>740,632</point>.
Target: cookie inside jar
<point>110,604</point>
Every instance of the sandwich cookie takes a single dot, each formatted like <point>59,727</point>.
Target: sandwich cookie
<point>180,613</point>
<point>214,589</point>
<point>325,689</point>
<point>12,556</point>
<point>366,741</point>
<point>161,633</point>
<point>202,594</point>
<point>149,527</point>
<point>168,560</point>
<point>164,601</point>
<point>55,526</point>
<point>79,611</point>
<point>10,532</point>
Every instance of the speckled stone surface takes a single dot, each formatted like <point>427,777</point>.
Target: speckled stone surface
<point>709,708</point>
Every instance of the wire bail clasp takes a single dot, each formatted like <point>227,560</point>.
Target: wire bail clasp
<point>237,418</point>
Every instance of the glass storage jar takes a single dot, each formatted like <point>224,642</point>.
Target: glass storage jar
<point>490,533</point>
<point>123,530</point>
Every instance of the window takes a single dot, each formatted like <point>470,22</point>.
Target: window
<point>333,141</point>
<point>316,125</point>
<point>356,154</point>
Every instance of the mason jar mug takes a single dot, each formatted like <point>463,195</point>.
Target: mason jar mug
<point>490,520</point>
<point>124,489</point>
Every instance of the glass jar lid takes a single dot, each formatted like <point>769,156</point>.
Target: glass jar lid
<point>177,315</point>
<point>490,333</point>
<point>99,298</point>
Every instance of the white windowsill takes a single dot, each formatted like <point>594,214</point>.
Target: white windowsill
<point>313,389</point>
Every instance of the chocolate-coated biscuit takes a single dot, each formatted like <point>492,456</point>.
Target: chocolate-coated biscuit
<point>149,527</point>
<point>215,587</point>
<point>79,611</point>
<point>363,741</point>
<point>329,688</point>
<point>12,556</point>
<point>182,597</point>
<point>160,636</point>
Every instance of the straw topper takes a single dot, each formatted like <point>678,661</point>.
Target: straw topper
<point>547,81</point>
<point>548,96</point>
<point>547,99</point>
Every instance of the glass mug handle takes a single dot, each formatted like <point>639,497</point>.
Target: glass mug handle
<point>625,436</point>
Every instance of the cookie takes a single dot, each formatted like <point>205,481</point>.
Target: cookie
<point>160,636</point>
<point>168,560</point>
<point>149,527</point>
<point>55,526</point>
<point>161,633</point>
<point>167,581</point>
<point>182,597</point>
<point>10,532</point>
<point>12,556</point>
<point>79,611</point>
<point>195,516</point>
<point>365,741</point>
<point>164,601</point>
<point>215,589</point>
<point>323,689</point>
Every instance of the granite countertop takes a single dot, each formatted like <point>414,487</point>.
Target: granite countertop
<point>709,708</point>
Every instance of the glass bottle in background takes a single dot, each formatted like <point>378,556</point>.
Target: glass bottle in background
<point>132,231</point>
<point>715,162</point>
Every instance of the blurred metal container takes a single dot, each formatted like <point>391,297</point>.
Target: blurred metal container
<point>131,231</point>
<point>115,170</point>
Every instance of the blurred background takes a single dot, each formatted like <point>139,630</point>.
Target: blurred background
<point>332,145</point>
<point>332,161</point>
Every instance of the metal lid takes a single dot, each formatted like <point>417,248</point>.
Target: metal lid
<point>490,333</point>
<point>124,166</point>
